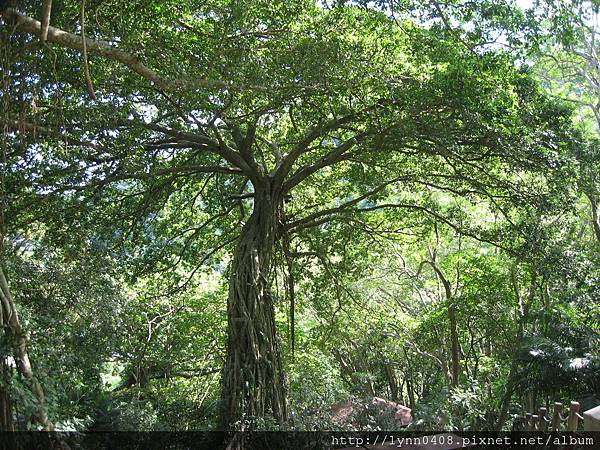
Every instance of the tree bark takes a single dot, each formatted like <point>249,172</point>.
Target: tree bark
<point>455,349</point>
<point>13,333</point>
<point>454,342</point>
<point>595,216</point>
<point>6,410</point>
<point>108,50</point>
<point>514,364</point>
<point>392,381</point>
<point>253,383</point>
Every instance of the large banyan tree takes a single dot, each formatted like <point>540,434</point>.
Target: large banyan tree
<point>212,131</point>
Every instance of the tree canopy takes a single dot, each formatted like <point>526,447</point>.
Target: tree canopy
<point>257,209</point>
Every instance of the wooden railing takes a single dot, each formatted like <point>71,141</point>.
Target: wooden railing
<point>559,422</point>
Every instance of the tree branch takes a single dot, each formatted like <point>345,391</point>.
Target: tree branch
<point>107,50</point>
<point>218,148</point>
<point>287,161</point>
<point>309,220</point>
<point>334,156</point>
<point>449,27</point>
<point>439,273</point>
<point>36,129</point>
<point>46,11</point>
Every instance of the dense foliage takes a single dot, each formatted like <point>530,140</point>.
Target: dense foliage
<point>237,214</point>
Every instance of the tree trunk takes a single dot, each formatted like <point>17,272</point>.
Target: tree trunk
<point>595,215</point>
<point>455,349</point>
<point>408,375</point>
<point>454,343</point>
<point>14,335</point>
<point>411,394</point>
<point>253,381</point>
<point>514,364</point>
<point>510,385</point>
<point>392,381</point>
<point>6,413</point>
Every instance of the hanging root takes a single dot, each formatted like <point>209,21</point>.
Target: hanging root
<point>46,10</point>
<point>86,66</point>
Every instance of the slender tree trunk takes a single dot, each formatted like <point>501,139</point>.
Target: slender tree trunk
<point>411,394</point>
<point>455,349</point>
<point>408,375</point>
<point>514,364</point>
<point>253,383</point>
<point>14,335</point>
<point>595,216</point>
<point>454,343</point>
<point>6,410</point>
<point>392,381</point>
<point>511,383</point>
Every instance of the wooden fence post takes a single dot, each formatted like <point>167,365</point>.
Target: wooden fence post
<point>556,417</point>
<point>573,418</point>
<point>533,422</point>
<point>591,419</point>
<point>542,415</point>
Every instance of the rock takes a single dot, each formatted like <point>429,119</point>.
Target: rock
<point>341,412</point>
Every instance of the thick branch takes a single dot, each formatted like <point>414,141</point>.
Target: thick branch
<point>36,129</point>
<point>243,143</point>
<point>321,129</point>
<point>328,215</point>
<point>165,375</point>
<point>219,148</point>
<point>334,156</point>
<point>106,49</point>
<point>288,160</point>
<point>440,218</point>
<point>455,345</point>
<point>86,64</point>
<point>184,170</point>
<point>440,275</point>
<point>313,219</point>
